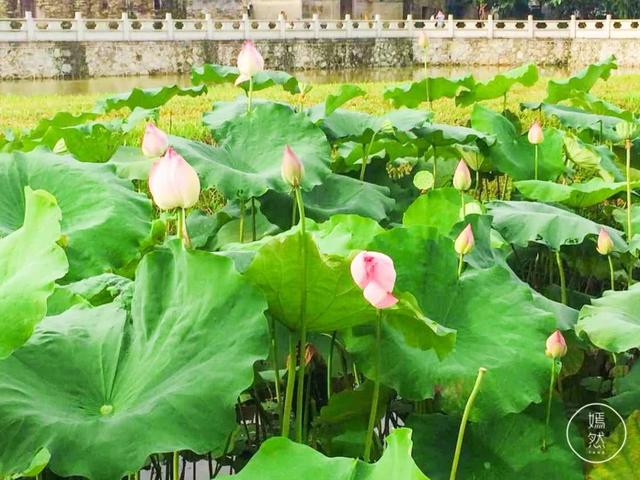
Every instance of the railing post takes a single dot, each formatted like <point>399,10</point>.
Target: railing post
<point>531,26</point>
<point>79,26</point>
<point>316,25</point>
<point>348,25</point>
<point>608,26</point>
<point>282,25</point>
<point>168,20</point>
<point>126,27</point>
<point>378,25</point>
<point>245,25</point>
<point>573,27</point>
<point>490,26</point>
<point>209,22</point>
<point>450,25</point>
<point>31,27</point>
<point>409,24</point>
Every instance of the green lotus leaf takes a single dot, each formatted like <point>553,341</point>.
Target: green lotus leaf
<point>37,465</point>
<point>499,85</point>
<point>247,161</point>
<point>92,291</point>
<point>337,195</point>
<point>215,74</point>
<point>506,448</point>
<point>104,220</point>
<point>583,81</point>
<point>131,164</point>
<point>512,153</point>
<point>593,157</point>
<point>147,98</point>
<point>344,93</point>
<point>613,321</point>
<point>497,323</point>
<point>439,208</point>
<point>627,392</point>
<point>30,262</point>
<point>414,93</point>
<point>280,458</point>
<point>625,464</point>
<point>342,234</point>
<point>576,195</point>
<point>92,380</point>
<point>524,222</point>
<point>440,135</point>
<point>591,103</point>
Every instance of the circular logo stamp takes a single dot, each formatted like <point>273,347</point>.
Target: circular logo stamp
<point>595,417</point>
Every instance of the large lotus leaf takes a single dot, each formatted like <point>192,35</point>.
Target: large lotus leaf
<point>512,153</point>
<point>593,157</point>
<point>225,111</point>
<point>593,104</point>
<point>246,163</point>
<point>414,93</point>
<point>30,263</point>
<point>344,93</point>
<point>499,85</point>
<point>131,163</point>
<point>627,392</point>
<point>282,459</point>
<point>583,81</point>
<point>440,208</point>
<point>104,220</point>
<point>613,321</point>
<point>338,194</point>
<point>342,234</point>
<point>92,291</point>
<point>216,74</point>
<point>147,98</point>
<point>506,448</point>
<point>524,222</point>
<point>102,392</point>
<point>440,134</point>
<point>625,464</point>
<point>497,323</point>
<point>576,195</point>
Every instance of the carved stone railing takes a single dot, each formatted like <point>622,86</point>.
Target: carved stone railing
<point>30,29</point>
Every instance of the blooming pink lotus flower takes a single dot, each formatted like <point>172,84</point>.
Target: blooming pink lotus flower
<point>375,274</point>
<point>423,40</point>
<point>556,346</point>
<point>292,169</point>
<point>465,241</point>
<point>462,176</point>
<point>250,62</point>
<point>536,135</point>
<point>173,182</point>
<point>154,142</point>
<point>605,244</point>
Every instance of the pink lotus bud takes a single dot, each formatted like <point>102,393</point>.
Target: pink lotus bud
<point>154,142</point>
<point>465,241</point>
<point>292,170</point>
<point>462,177</point>
<point>375,274</point>
<point>605,244</point>
<point>556,346</point>
<point>173,182</point>
<point>250,61</point>
<point>536,136</point>
<point>423,40</point>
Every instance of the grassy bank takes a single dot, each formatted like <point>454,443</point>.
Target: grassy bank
<point>183,115</point>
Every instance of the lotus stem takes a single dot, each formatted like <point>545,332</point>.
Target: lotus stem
<point>294,209</point>
<point>181,228</point>
<point>376,391</point>
<point>365,156</point>
<point>548,416</point>
<point>330,363</point>
<point>435,166</point>
<point>627,147</point>
<point>241,229</point>
<point>254,234</point>
<point>464,213</point>
<point>302,325</point>
<point>250,94</point>
<point>613,284</point>
<point>460,264</point>
<point>535,161</point>
<point>288,398</point>
<point>563,281</point>
<point>463,423</point>
<point>175,468</point>
<point>356,377</point>
<point>426,79</point>
<point>504,103</point>
<point>274,354</point>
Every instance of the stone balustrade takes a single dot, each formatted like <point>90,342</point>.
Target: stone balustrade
<point>82,29</point>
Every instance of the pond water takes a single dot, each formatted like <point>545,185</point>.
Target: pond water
<point>121,84</point>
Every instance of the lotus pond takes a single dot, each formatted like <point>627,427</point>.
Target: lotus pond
<point>306,287</point>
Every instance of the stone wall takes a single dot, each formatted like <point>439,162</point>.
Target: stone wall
<point>97,59</point>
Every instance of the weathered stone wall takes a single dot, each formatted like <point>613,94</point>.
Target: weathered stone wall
<point>96,59</point>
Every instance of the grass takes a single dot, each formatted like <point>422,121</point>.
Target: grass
<point>182,116</point>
